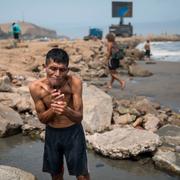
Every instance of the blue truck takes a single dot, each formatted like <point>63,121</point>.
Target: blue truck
<point>94,33</point>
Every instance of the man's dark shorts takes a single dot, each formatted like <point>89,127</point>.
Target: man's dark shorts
<point>70,142</point>
<point>16,36</point>
<point>147,53</point>
<point>113,64</point>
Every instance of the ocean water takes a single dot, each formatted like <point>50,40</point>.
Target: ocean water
<point>164,51</point>
<point>80,30</point>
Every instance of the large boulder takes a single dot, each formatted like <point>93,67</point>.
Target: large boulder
<point>8,98</point>
<point>135,70</point>
<point>22,102</point>
<point>123,142</point>
<point>170,135</point>
<point>97,109</point>
<point>168,160</point>
<point>12,173</point>
<point>10,121</point>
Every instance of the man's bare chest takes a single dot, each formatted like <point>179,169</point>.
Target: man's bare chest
<point>66,90</point>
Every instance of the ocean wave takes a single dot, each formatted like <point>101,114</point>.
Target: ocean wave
<point>164,51</point>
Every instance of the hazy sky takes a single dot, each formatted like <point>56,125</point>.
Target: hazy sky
<point>85,11</point>
<point>50,13</point>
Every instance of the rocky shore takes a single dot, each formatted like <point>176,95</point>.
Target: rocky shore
<point>132,125</point>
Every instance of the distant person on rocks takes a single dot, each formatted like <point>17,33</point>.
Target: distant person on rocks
<point>58,103</point>
<point>112,61</point>
<point>147,50</point>
<point>16,30</point>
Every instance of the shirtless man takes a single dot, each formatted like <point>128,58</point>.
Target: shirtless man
<point>147,50</point>
<point>58,103</point>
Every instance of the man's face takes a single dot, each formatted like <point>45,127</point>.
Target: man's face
<point>56,73</point>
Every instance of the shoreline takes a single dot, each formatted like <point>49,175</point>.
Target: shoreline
<point>162,87</point>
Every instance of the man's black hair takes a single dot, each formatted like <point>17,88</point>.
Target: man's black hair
<point>57,55</point>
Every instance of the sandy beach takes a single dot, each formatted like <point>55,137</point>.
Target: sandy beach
<point>163,86</point>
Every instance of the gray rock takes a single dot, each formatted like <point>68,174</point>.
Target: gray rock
<point>122,110</point>
<point>174,119</point>
<point>97,109</point>
<point>135,70</point>
<point>151,122</point>
<point>123,142</point>
<point>10,121</point>
<point>12,173</point>
<point>5,84</point>
<point>124,119</point>
<point>23,104</point>
<point>144,106</point>
<point>167,160</point>
<point>170,135</point>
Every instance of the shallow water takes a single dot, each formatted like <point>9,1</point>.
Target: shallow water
<point>24,153</point>
<point>162,87</point>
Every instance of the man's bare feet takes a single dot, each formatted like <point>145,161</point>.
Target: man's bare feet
<point>109,87</point>
<point>123,84</point>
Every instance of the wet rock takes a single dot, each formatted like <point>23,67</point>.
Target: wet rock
<point>123,142</point>
<point>12,173</point>
<point>10,121</point>
<point>174,119</point>
<point>170,135</point>
<point>167,160</point>
<point>135,70</point>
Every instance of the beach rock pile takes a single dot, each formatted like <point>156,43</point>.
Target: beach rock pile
<point>131,127</point>
<point>143,113</point>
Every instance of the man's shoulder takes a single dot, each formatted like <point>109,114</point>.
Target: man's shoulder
<point>36,85</point>
<point>76,82</point>
<point>75,79</point>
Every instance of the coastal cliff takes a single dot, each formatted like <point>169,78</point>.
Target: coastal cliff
<point>29,31</point>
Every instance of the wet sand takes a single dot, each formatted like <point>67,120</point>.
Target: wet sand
<point>162,87</point>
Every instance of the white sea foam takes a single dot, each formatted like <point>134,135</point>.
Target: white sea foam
<point>164,51</point>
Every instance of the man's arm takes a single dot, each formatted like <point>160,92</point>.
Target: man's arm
<point>44,115</point>
<point>109,47</point>
<point>75,114</point>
